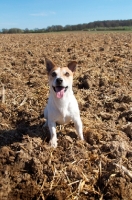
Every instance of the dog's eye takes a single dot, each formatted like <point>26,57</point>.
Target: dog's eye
<point>53,74</point>
<point>67,74</point>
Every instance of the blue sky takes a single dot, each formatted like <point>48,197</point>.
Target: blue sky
<point>42,13</point>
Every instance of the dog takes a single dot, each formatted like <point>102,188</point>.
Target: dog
<point>62,105</point>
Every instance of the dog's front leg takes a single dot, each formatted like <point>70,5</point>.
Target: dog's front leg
<point>78,126</point>
<point>53,139</point>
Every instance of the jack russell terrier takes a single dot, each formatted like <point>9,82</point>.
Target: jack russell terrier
<point>62,105</point>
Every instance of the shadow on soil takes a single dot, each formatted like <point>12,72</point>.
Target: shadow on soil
<point>23,127</point>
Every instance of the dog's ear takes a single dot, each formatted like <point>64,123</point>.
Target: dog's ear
<point>72,66</point>
<point>49,64</point>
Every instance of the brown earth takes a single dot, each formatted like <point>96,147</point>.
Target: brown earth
<point>29,168</point>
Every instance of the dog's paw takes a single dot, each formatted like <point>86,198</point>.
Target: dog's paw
<point>53,143</point>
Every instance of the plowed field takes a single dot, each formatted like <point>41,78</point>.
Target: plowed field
<point>98,168</point>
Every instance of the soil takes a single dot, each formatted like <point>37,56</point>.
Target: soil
<point>98,168</point>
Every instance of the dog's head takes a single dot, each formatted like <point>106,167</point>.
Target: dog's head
<point>60,78</point>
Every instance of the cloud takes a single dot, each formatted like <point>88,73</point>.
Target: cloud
<point>43,14</point>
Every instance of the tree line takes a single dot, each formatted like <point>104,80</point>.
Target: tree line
<point>96,25</point>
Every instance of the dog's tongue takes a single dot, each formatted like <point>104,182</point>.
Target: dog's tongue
<point>59,92</point>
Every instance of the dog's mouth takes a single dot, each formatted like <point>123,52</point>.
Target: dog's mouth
<point>60,90</point>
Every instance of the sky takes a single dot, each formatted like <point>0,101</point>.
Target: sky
<point>33,14</point>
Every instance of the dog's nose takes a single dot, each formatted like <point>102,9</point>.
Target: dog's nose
<point>59,81</point>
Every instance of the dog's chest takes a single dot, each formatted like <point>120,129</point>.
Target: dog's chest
<point>63,116</point>
<point>62,111</point>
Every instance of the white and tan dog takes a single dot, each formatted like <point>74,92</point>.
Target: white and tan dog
<point>62,105</point>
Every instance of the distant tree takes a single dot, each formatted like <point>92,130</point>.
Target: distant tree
<point>49,29</point>
<point>26,30</point>
<point>59,28</point>
<point>4,30</point>
<point>68,28</point>
<point>15,30</point>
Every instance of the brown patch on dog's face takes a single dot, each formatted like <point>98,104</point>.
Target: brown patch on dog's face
<point>64,73</point>
<point>49,65</point>
<point>60,81</point>
<point>71,67</point>
<point>60,78</point>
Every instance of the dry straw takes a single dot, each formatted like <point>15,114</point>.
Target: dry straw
<point>3,93</point>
